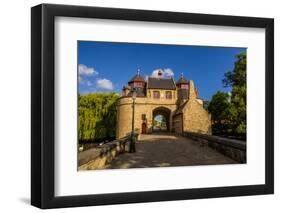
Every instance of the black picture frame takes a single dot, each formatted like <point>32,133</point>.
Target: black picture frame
<point>43,102</point>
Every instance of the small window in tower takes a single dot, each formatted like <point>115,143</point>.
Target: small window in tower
<point>184,86</point>
<point>156,94</point>
<point>137,84</point>
<point>168,95</point>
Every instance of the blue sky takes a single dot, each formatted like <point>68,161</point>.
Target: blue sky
<point>107,66</point>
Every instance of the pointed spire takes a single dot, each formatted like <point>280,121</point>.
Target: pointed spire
<point>137,77</point>
<point>182,80</point>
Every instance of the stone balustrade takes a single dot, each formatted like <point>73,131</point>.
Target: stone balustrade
<point>98,157</point>
<point>234,149</point>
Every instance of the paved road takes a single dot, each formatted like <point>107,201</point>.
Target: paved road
<point>160,150</point>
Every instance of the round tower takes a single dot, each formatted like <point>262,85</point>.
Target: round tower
<point>183,89</point>
<point>124,105</point>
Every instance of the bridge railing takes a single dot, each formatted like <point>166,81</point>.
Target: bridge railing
<point>234,149</point>
<point>98,157</point>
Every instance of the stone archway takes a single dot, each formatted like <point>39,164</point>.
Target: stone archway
<point>164,113</point>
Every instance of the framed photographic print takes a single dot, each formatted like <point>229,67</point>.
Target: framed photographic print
<point>139,106</point>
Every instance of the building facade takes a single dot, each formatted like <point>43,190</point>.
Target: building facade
<point>177,102</point>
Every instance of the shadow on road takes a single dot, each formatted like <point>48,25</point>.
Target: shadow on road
<point>164,149</point>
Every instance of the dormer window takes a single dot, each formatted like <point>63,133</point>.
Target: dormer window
<point>160,74</point>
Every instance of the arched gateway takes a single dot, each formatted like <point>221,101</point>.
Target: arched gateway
<point>161,119</point>
<point>161,104</point>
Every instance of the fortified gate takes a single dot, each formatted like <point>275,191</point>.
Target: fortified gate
<point>177,102</point>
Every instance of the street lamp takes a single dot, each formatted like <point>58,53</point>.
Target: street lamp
<point>133,138</point>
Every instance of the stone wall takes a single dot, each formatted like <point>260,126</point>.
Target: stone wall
<point>97,158</point>
<point>196,118</point>
<point>177,123</point>
<point>234,149</point>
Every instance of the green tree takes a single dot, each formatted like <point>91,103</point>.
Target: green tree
<point>97,116</point>
<point>229,110</point>
<point>237,80</point>
<point>219,106</point>
<point>222,114</point>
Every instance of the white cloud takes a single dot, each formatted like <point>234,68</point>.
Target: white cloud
<point>104,84</point>
<point>169,72</point>
<point>154,73</point>
<point>166,73</point>
<point>84,81</point>
<point>84,70</point>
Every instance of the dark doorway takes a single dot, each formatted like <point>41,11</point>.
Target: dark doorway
<point>143,128</point>
<point>161,119</point>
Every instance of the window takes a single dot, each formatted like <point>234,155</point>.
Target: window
<point>168,95</point>
<point>156,94</point>
<point>138,84</point>
<point>184,86</point>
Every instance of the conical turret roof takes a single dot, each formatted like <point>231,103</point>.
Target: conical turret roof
<point>137,77</point>
<point>182,80</point>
